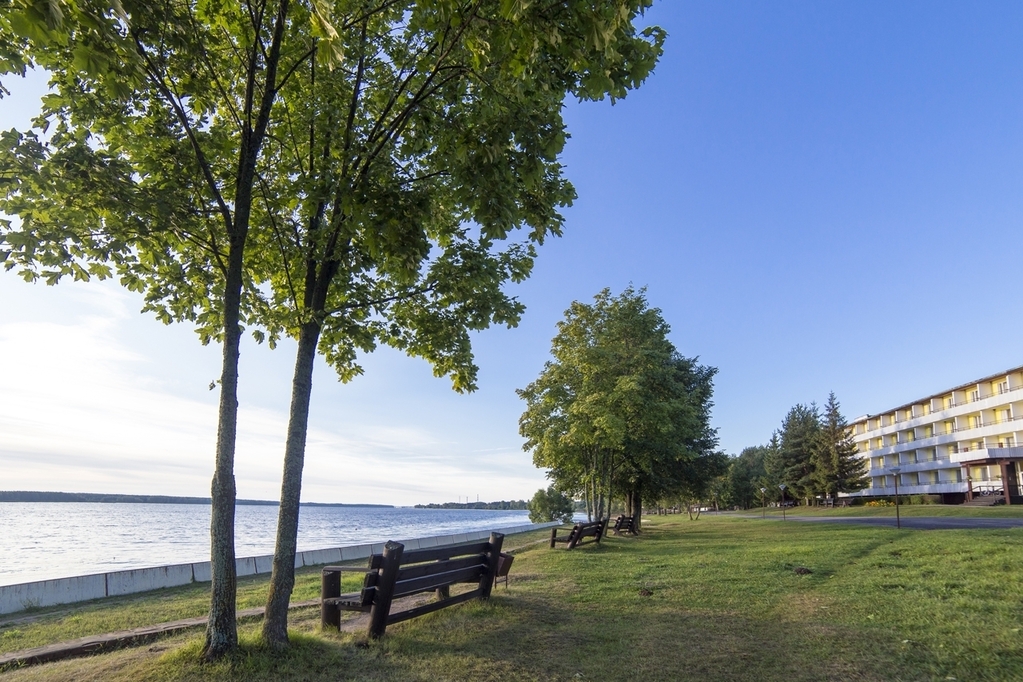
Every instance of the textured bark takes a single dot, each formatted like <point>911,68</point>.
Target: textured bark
<point>634,508</point>
<point>222,628</point>
<point>282,580</point>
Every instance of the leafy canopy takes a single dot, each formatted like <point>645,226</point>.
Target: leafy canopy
<point>407,140</point>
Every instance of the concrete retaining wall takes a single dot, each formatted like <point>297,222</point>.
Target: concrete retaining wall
<point>14,598</point>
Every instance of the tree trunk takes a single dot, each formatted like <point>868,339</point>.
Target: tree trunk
<point>282,580</point>
<point>589,501</point>
<point>222,627</point>
<point>637,511</point>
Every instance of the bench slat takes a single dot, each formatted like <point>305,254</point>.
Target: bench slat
<point>447,552</point>
<point>355,601</point>
<point>420,570</point>
<point>432,606</point>
<point>403,588</point>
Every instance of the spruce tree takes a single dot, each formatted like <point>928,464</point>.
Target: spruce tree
<point>836,466</point>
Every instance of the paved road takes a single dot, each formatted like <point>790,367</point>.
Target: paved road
<point>917,522</point>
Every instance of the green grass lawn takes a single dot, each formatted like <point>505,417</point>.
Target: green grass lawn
<point>714,599</point>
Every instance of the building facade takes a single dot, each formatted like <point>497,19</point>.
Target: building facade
<point>961,443</point>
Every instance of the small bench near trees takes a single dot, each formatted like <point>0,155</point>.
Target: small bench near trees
<point>625,524</point>
<point>594,530</point>
<point>397,573</point>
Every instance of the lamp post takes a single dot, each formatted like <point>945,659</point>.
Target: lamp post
<point>763,507</point>
<point>895,472</point>
<point>782,486</point>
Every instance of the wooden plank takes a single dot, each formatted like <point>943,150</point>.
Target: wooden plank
<point>420,570</point>
<point>434,553</point>
<point>432,582</point>
<point>431,607</point>
<point>354,601</point>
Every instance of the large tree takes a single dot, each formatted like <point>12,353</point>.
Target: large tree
<point>617,409</point>
<point>836,466</point>
<point>145,161</point>
<point>363,159</point>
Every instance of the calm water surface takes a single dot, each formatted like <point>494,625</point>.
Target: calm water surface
<point>43,540</point>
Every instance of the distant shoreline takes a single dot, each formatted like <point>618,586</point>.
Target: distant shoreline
<point>502,505</point>
<point>33,496</point>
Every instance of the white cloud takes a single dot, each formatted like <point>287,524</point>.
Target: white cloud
<point>96,398</point>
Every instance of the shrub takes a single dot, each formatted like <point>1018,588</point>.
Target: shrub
<point>550,505</point>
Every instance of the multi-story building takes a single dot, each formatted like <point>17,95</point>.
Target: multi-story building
<point>960,443</point>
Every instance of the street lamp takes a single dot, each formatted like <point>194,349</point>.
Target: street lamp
<point>895,472</point>
<point>782,486</point>
<point>763,507</point>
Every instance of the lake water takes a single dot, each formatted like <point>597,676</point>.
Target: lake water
<point>44,540</point>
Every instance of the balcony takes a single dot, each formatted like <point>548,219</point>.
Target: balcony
<point>969,453</point>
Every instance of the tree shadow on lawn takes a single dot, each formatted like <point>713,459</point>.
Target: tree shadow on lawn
<point>540,639</point>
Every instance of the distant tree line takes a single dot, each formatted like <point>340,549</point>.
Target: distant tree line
<point>502,504</point>
<point>812,454</point>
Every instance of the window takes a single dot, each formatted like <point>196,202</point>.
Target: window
<point>1003,387</point>
<point>974,396</point>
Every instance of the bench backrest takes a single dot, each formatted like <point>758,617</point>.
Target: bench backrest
<point>431,569</point>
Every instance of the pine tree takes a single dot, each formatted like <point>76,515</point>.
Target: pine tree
<point>836,466</point>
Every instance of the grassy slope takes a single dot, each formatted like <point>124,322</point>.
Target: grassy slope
<point>724,604</point>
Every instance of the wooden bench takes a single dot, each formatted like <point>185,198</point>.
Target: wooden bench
<point>625,524</point>
<point>397,573</point>
<point>594,530</point>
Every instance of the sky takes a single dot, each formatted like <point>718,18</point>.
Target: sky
<point>818,197</point>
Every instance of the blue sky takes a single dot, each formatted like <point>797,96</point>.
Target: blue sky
<point>818,196</point>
